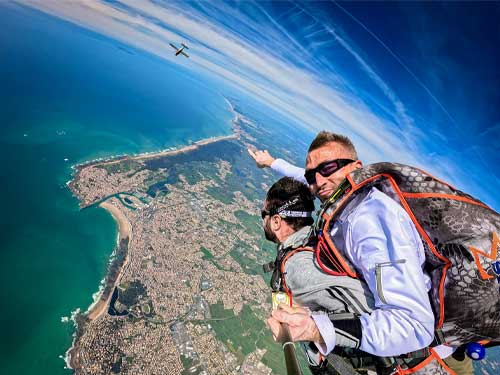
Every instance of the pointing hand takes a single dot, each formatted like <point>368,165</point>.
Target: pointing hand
<point>262,158</point>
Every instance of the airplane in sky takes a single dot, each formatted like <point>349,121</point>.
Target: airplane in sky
<point>180,50</point>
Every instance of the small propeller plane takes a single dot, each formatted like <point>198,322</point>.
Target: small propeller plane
<point>180,51</point>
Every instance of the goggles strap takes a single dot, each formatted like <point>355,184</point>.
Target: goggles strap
<point>285,213</point>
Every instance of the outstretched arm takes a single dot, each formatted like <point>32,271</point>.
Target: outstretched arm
<point>263,159</point>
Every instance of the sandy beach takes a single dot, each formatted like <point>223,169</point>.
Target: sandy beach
<point>125,228</point>
<point>154,155</point>
<point>125,231</point>
<point>189,148</point>
<point>101,306</point>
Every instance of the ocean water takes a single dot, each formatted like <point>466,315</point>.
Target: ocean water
<point>68,95</point>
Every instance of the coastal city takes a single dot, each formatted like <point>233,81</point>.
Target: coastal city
<point>182,294</point>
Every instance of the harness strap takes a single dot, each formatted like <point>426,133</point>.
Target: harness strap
<point>417,354</point>
<point>438,338</point>
<point>340,365</point>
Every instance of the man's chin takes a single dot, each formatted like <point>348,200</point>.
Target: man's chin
<point>325,194</point>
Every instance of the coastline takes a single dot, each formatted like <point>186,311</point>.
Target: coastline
<point>151,155</point>
<point>168,151</point>
<point>112,278</point>
<point>124,226</point>
<point>124,233</point>
<point>142,157</point>
<point>115,269</point>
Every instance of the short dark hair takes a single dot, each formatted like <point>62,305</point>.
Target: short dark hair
<point>286,190</point>
<point>325,137</point>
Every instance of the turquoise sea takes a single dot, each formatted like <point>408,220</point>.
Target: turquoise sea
<point>68,95</point>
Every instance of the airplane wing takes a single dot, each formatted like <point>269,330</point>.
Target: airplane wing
<point>173,46</point>
<point>186,47</point>
<point>184,53</point>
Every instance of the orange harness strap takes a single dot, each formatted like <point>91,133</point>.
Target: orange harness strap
<point>433,356</point>
<point>328,248</point>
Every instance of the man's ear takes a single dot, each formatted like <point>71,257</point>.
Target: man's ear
<point>276,222</point>
<point>353,166</point>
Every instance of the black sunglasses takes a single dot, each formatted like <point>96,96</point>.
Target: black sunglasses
<point>264,213</point>
<point>326,169</point>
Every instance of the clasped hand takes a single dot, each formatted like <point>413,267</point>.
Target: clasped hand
<point>300,324</point>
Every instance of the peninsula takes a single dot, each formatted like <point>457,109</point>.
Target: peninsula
<point>184,292</point>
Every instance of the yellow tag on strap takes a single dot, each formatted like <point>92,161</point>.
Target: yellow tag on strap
<point>280,297</point>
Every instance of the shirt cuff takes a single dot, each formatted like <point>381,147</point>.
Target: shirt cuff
<point>327,331</point>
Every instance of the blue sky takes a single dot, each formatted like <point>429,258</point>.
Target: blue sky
<point>411,82</point>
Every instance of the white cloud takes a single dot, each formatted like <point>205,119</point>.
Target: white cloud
<point>301,86</point>
<point>290,90</point>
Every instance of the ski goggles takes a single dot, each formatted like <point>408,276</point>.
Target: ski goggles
<point>326,169</point>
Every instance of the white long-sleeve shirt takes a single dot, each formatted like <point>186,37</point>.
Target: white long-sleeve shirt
<point>379,238</point>
<point>286,169</point>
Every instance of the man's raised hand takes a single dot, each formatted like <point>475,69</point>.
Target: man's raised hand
<point>262,158</point>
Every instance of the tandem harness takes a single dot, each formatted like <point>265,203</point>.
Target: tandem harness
<point>460,236</point>
<point>343,360</point>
